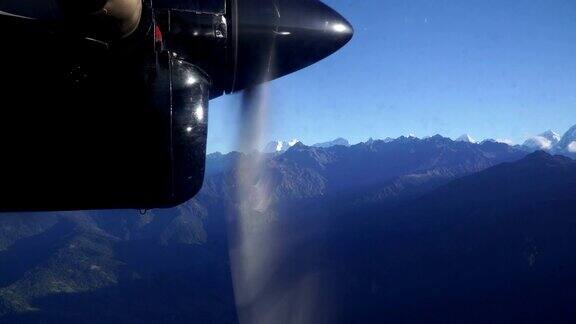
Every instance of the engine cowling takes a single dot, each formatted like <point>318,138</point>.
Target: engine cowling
<point>122,123</point>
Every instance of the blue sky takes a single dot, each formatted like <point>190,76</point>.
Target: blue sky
<point>498,69</point>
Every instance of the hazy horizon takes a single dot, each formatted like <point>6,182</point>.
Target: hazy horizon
<point>456,138</point>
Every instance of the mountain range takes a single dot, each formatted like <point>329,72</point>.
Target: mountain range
<point>339,141</point>
<point>494,246</point>
<point>283,146</point>
<point>406,230</point>
<point>549,141</point>
<point>552,142</point>
<point>279,146</point>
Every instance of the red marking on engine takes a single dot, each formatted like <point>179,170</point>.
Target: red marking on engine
<point>157,34</point>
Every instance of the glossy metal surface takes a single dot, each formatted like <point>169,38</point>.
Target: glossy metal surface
<point>90,127</point>
<point>255,40</point>
<point>272,38</point>
<point>187,31</point>
<point>109,123</point>
<point>190,95</point>
<point>203,6</point>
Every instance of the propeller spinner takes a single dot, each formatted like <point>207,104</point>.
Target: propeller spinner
<point>291,34</point>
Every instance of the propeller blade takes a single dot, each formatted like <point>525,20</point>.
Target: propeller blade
<point>7,14</point>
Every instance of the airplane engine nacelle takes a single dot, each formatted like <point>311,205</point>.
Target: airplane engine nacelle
<point>86,126</point>
<point>113,114</point>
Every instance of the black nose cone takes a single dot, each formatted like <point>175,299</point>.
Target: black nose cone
<point>278,37</point>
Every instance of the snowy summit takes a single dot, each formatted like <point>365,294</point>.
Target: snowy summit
<point>466,138</point>
<point>279,146</point>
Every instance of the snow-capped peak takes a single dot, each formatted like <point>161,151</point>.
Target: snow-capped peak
<point>337,142</point>
<point>551,141</point>
<point>538,143</point>
<point>568,141</point>
<point>546,141</point>
<point>466,138</point>
<point>505,141</point>
<point>279,146</point>
<point>500,141</point>
<point>572,147</point>
<point>552,136</point>
<point>293,142</point>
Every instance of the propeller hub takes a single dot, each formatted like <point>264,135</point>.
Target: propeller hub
<point>274,38</point>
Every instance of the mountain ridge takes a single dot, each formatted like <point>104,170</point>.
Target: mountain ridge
<point>484,246</point>
<point>342,203</point>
